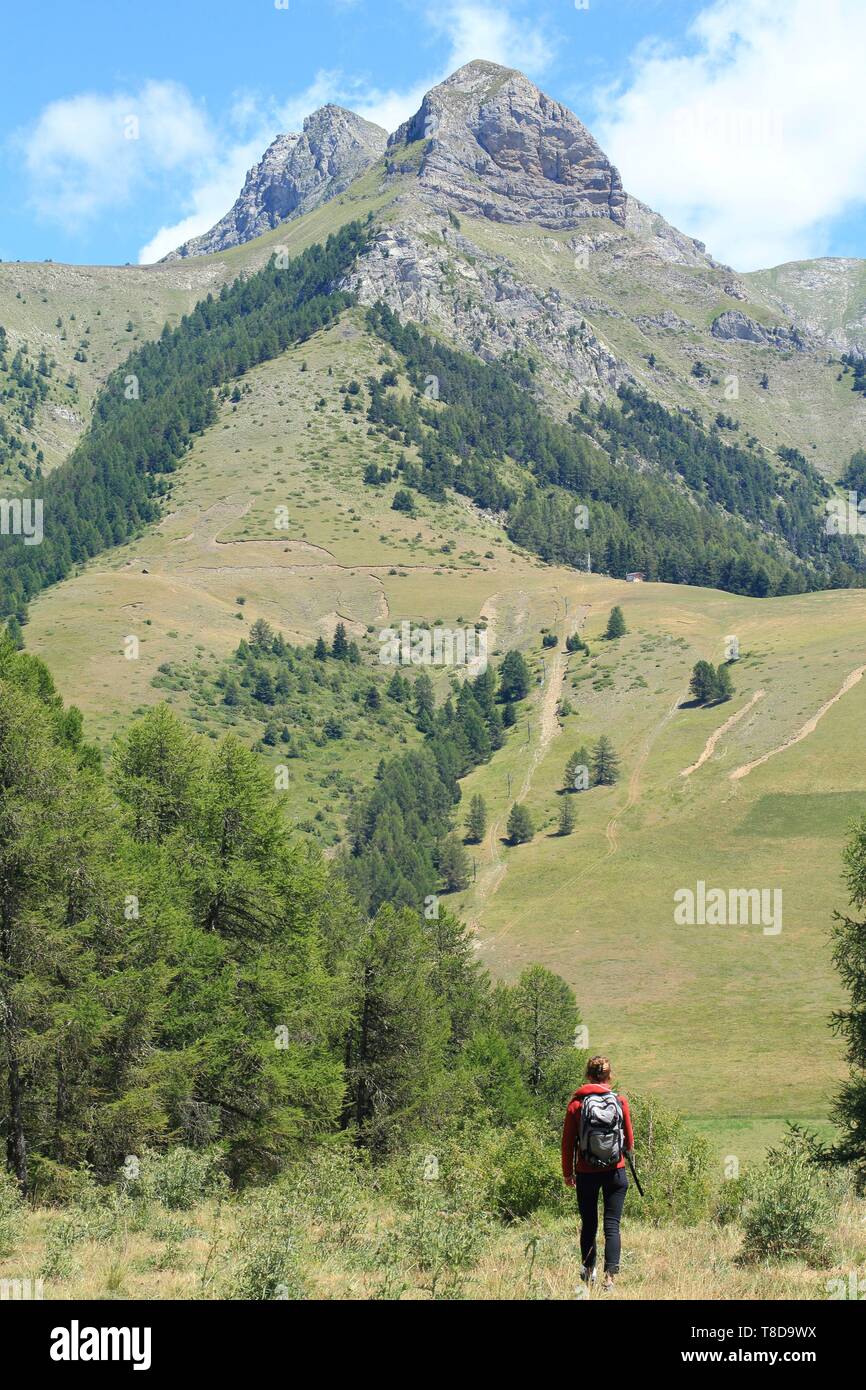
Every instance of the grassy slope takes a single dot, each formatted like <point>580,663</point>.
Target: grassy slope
<point>697,1012</point>
<point>805,407</point>
<point>104,299</point>
<point>183,1255</point>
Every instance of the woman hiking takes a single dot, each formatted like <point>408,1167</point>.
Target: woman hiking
<point>596,1137</point>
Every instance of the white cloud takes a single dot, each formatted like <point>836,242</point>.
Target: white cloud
<point>211,198</point>
<point>491,32</point>
<point>472,30</point>
<point>90,152</point>
<point>81,161</point>
<point>751,138</point>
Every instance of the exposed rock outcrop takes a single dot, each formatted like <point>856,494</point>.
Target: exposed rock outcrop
<point>497,146</point>
<point>295,174</point>
<point>733,325</point>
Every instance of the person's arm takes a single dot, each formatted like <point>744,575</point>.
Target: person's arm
<point>626,1120</point>
<point>569,1138</point>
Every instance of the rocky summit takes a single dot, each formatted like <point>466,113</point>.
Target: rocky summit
<point>498,146</point>
<point>296,173</point>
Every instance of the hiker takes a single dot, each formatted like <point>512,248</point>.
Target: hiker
<point>596,1137</point>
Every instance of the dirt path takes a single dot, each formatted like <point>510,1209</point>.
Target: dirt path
<point>612,827</point>
<point>807,729</point>
<point>713,739</point>
<point>491,876</point>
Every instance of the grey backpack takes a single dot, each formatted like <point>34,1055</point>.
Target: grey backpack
<point>601,1140</point>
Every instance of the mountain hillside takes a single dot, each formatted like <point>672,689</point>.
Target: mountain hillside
<point>501,225</point>
<point>295,174</point>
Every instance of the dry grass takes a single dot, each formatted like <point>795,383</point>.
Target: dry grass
<point>532,1260</point>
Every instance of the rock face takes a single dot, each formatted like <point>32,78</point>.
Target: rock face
<point>295,175</point>
<point>735,326</point>
<point>496,146</point>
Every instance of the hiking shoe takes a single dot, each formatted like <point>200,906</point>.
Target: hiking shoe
<point>587,1274</point>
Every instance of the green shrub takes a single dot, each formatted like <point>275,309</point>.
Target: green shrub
<point>673,1166</point>
<point>11,1213</point>
<point>522,1171</point>
<point>332,1189</point>
<point>793,1204</point>
<point>178,1179</point>
<point>731,1201</point>
<point>261,1263</point>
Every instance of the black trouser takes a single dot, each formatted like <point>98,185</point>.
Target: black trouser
<point>614,1185</point>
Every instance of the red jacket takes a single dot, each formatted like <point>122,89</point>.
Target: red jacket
<point>571,1160</point>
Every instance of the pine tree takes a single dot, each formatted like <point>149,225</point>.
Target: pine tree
<point>723,685</point>
<point>538,1017</point>
<point>520,827</point>
<point>605,763</point>
<point>567,817</point>
<point>424,702</point>
<point>703,682</point>
<point>395,1045</point>
<point>476,821</point>
<point>454,865</point>
<point>261,635</point>
<point>849,957</point>
<point>615,624</point>
<point>514,677</point>
<point>340,644</point>
<point>263,690</point>
<point>576,776</point>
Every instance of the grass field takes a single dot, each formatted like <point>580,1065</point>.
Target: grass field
<point>731,1024</point>
<point>194,1254</point>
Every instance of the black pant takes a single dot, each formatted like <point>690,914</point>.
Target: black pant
<point>614,1185</point>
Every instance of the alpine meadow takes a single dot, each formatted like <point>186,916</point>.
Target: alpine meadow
<point>432,655</point>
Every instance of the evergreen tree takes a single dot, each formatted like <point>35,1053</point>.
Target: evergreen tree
<point>261,635</point>
<point>424,701</point>
<point>263,690</point>
<point>340,645</point>
<point>723,685</point>
<point>454,865</point>
<point>605,763</point>
<point>514,677</point>
<point>849,957</point>
<point>703,682</point>
<point>538,1017</point>
<point>395,1045</point>
<point>615,624</point>
<point>476,821</point>
<point>520,827</point>
<point>567,817</point>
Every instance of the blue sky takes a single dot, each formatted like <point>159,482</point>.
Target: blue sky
<point>126,127</point>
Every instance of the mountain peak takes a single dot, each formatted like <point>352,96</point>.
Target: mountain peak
<point>499,147</point>
<point>296,173</point>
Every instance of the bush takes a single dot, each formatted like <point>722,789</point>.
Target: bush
<point>332,1189</point>
<point>524,1173</point>
<point>11,1213</point>
<point>443,1225</point>
<point>792,1206</point>
<point>731,1201</point>
<point>673,1166</point>
<point>180,1178</point>
<point>262,1260</point>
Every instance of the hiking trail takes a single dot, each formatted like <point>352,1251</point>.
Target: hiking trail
<point>808,728</point>
<point>713,739</point>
